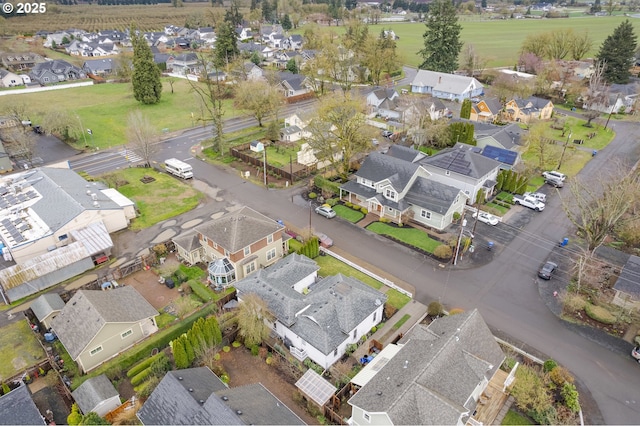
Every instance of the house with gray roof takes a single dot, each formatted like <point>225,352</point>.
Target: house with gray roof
<point>55,71</point>
<point>99,66</point>
<point>46,307</point>
<point>196,396</point>
<point>95,326</point>
<point>436,377</point>
<point>397,187</point>
<point>463,168</point>
<point>627,286</point>
<point>524,110</point>
<point>488,110</point>
<point>248,240</point>
<point>183,64</point>
<point>446,86</point>
<point>17,408</point>
<point>10,79</point>
<point>315,318</point>
<point>97,395</point>
<point>293,85</point>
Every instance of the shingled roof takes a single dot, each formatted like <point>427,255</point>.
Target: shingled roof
<point>461,161</point>
<point>17,408</point>
<point>378,167</point>
<point>433,376</point>
<point>88,311</point>
<point>94,391</point>
<point>239,229</point>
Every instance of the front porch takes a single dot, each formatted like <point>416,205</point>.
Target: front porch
<point>492,402</point>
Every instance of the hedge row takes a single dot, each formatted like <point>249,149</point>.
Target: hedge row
<point>141,376</point>
<point>202,291</point>
<point>143,365</point>
<point>326,185</point>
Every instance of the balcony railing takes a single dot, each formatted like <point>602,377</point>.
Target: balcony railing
<point>300,354</point>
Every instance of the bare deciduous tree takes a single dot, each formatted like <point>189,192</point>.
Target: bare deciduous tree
<point>471,61</point>
<point>595,209</point>
<point>597,93</point>
<point>547,153</point>
<point>260,98</point>
<point>254,320</point>
<point>20,143</point>
<point>142,136</point>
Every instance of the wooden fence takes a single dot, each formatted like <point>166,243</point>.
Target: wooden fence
<point>297,175</point>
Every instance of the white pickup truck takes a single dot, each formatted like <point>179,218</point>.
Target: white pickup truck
<point>537,195</point>
<point>529,201</point>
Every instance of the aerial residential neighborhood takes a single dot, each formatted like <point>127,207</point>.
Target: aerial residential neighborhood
<point>344,213</point>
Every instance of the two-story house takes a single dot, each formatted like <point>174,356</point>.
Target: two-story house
<point>16,61</point>
<point>95,326</point>
<point>465,169</point>
<point>9,79</point>
<point>446,86</point>
<point>55,71</point>
<point>293,85</point>
<point>437,375</point>
<point>506,137</point>
<point>234,245</point>
<point>488,110</point>
<point>183,64</point>
<point>396,186</point>
<point>315,318</point>
<point>263,50</point>
<point>525,110</point>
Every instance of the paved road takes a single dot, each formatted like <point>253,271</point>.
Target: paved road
<point>505,291</point>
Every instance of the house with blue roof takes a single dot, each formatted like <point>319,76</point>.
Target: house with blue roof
<point>398,187</point>
<point>507,158</point>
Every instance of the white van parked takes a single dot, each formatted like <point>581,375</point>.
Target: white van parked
<point>178,168</point>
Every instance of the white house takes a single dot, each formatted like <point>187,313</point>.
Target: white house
<point>9,79</point>
<point>316,318</point>
<point>446,86</point>
<point>97,395</point>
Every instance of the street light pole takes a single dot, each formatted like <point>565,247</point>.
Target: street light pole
<point>563,150</point>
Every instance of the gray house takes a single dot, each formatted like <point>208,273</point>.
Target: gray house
<point>436,377</point>
<point>446,86</point>
<point>99,66</point>
<point>396,186</point>
<point>17,408</point>
<point>46,307</point>
<point>315,318</point>
<point>55,71</point>
<point>95,326</point>
<point>196,396</point>
<point>97,395</point>
<point>627,286</point>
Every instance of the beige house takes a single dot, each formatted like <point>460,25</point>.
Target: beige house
<point>234,245</point>
<point>46,308</point>
<point>95,326</point>
<point>525,110</point>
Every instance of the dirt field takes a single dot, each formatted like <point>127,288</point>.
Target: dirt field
<point>244,369</point>
<point>146,282</point>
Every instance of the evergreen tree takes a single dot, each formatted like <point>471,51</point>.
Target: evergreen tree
<point>233,15</point>
<point>286,23</point>
<point>145,78</point>
<point>351,4</point>
<point>214,327</point>
<point>616,53</point>
<point>226,46</point>
<point>254,5</point>
<point>188,348</point>
<point>442,38</point>
<point>292,66</point>
<point>179,353</point>
<point>255,57</point>
<point>207,333</point>
<point>267,11</point>
<point>465,109</point>
<point>273,131</point>
<point>74,418</point>
<point>196,339</point>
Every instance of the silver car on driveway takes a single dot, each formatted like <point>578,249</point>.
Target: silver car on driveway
<point>326,211</point>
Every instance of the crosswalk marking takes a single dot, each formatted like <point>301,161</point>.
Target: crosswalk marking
<point>130,156</point>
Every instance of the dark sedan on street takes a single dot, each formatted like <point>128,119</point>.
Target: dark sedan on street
<point>547,270</point>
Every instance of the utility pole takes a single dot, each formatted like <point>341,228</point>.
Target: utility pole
<point>563,150</point>
<point>462,225</point>
<point>611,112</point>
<point>264,159</point>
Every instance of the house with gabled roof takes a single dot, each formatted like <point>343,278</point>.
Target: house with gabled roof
<point>508,159</point>
<point>627,286</point>
<point>446,86</point>
<point>293,85</point>
<point>99,66</point>
<point>95,326</point>
<point>315,318</point>
<point>237,243</point>
<point>248,48</point>
<point>97,395</point>
<point>18,408</point>
<point>488,110</point>
<point>436,377</point>
<point>185,63</point>
<point>19,61</point>
<point>463,168</point>
<point>525,110</point>
<point>46,307</point>
<point>10,79</point>
<point>55,71</point>
<point>397,187</point>
<point>196,396</point>
<point>509,137</point>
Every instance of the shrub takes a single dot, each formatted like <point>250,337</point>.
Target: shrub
<point>456,311</point>
<point>364,210</point>
<point>180,277</point>
<point>549,365</point>
<point>202,291</point>
<point>332,201</point>
<point>570,396</point>
<point>313,195</point>
<point>348,204</point>
<point>226,348</point>
<point>327,186</point>
<point>508,364</point>
<point>574,302</point>
<point>384,220</point>
<point>351,348</point>
<point>456,215</point>
<point>225,378</point>
<point>374,329</point>
<point>141,377</point>
<point>560,375</point>
<point>255,350</point>
<point>600,314</point>
<point>435,308</point>
<point>443,251</point>
<point>236,344</point>
<point>144,364</point>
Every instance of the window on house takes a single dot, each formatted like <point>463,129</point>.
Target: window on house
<point>126,333</point>
<point>425,214</point>
<point>96,350</point>
<point>366,416</point>
<point>271,254</point>
<point>375,314</point>
<point>390,209</point>
<point>250,268</point>
<point>335,352</point>
<point>62,237</point>
<point>247,251</point>
<point>269,239</point>
<point>355,333</point>
<point>204,238</point>
<point>390,193</point>
<point>215,245</point>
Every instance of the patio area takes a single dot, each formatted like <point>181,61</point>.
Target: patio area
<point>492,402</point>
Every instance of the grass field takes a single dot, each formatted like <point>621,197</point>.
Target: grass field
<point>397,299</point>
<point>19,349</point>
<point>162,199</point>
<point>104,108</point>
<point>331,266</point>
<point>348,213</point>
<point>412,236</point>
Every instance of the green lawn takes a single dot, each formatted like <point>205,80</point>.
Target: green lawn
<point>501,210</point>
<point>19,349</point>
<point>401,321</point>
<point>165,319</point>
<point>578,131</point>
<point>162,199</point>
<point>332,266</point>
<point>499,41</point>
<point>574,160</point>
<point>397,299</point>
<point>513,418</point>
<point>411,236</point>
<point>104,109</point>
<point>280,156</point>
<point>348,213</point>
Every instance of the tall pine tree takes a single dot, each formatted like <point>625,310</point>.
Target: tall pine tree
<point>147,87</point>
<point>616,53</point>
<point>442,38</point>
<point>226,48</point>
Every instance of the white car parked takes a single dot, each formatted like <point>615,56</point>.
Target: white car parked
<point>537,195</point>
<point>487,218</point>
<point>554,175</point>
